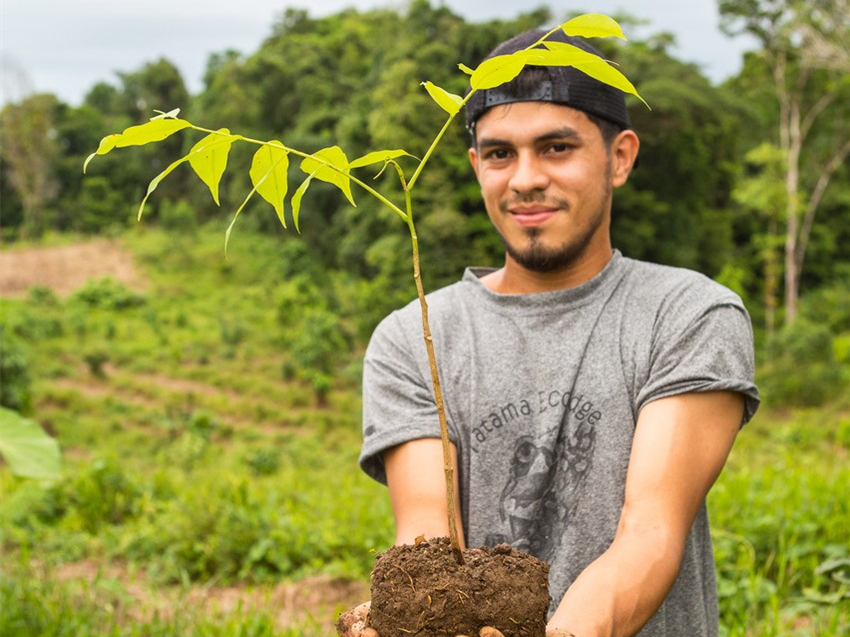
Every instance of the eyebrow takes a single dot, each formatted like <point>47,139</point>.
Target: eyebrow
<point>565,133</point>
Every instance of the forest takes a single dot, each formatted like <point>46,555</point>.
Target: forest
<point>209,419</point>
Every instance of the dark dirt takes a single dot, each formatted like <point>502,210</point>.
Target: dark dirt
<point>421,591</point>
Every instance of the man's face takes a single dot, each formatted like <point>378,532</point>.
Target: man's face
<point>546,179</point>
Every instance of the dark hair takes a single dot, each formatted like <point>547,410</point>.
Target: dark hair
<point>608,129</point>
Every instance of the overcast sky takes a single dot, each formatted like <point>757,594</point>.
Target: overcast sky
<point>66,46</point>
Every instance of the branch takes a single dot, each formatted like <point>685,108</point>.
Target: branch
<point>778,65</point>
<point>817,195</point>
<point>815,111</point>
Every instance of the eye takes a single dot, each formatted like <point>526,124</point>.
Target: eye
<point>560,147</point>
<point>497,154</point>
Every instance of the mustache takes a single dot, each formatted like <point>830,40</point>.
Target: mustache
<point>533,198</point>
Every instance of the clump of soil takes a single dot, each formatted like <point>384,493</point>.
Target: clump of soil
<point>421,591</point>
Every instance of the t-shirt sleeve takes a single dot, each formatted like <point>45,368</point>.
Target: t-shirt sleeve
<point>398,398</point>
<point>711,350</point>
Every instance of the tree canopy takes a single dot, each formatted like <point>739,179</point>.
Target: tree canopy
<point>351,79</point>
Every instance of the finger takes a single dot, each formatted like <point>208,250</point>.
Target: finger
<point>489,631</point>
<point>369,632</point>
<point>362,610</point>
<point>352,622</point>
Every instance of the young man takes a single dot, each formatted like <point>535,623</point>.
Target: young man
<point>592,399</point>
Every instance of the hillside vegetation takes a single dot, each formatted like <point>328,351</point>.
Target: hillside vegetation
<point>210,429</point>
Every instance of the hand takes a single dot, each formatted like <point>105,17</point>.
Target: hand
<point>352,623</point>
<point>559,632</point>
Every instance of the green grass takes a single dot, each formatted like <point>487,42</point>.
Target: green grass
<point>37,605</point>
<point>196,455</point>
<point>780,518</point>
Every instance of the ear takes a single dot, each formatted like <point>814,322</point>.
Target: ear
<point>473,159</point>
<point>624,152</point>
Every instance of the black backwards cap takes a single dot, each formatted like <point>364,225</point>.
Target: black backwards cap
<point>557,84</point>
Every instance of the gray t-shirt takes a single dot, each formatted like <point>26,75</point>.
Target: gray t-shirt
<point>542,394</point>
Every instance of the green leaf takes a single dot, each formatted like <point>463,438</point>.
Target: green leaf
<point>29,451</point>
<point>378,156</point>
<point>814,595</point>
<point>155,130</point>
<point>839,569</point>
<point>296,199</point>
<point>106,144</point>
<point>268,174</point>
<point>235,217</point>
<point>330,165</point>
<point>449,102</point>
<point>164,115</point>
<point>502,69</point>
<point>593,25</point>
<point>562,54</point>
<point>156,180</point>
<point>208,158</point>
<point>463,67</point>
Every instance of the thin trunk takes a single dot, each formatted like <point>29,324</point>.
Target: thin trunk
<point>792,183</point>
<point>791,141</point>
<point>771,277</point>
<point>829,169</point>
<point>448,467</point>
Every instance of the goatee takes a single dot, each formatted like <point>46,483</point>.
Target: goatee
<point>538,258</point>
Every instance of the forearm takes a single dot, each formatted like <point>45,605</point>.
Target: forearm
<point>679,448</point>
<point>417,491</point>
<point>621,590</point>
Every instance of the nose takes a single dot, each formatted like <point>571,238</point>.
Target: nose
<point>528,175</point>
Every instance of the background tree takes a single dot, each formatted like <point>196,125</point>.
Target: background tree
<point>805,49</point>
<point>29,154</point>
<point>676,209</point>
<point>761,193</point>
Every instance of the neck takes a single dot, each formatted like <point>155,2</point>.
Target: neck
<point>515,279</point>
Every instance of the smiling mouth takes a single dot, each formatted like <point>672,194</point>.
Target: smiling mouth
<point>530,218</point>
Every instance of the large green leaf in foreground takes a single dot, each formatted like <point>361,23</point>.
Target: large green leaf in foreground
<point>29,451</point>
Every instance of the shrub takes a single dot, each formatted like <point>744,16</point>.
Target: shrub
<point>263,462</point>
<point>802,370</point>
<point>99,206</point>
<point>107,294</point>
<point>177,215</point>
<point>15,390</point>
<point>37,324</point>
<point>321,342</point>
<point>96,357</point>
<point>102,494</point>
<point>41,295</point>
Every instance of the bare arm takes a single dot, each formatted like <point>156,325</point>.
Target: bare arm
<point>417,491</point>
<point>680,446</point>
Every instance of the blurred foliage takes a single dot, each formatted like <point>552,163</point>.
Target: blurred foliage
<point>15,378</point>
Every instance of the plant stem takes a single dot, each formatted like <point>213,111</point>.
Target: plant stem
<point>448,467</point>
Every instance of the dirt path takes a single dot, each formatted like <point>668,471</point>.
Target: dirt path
<point>63,269</point>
